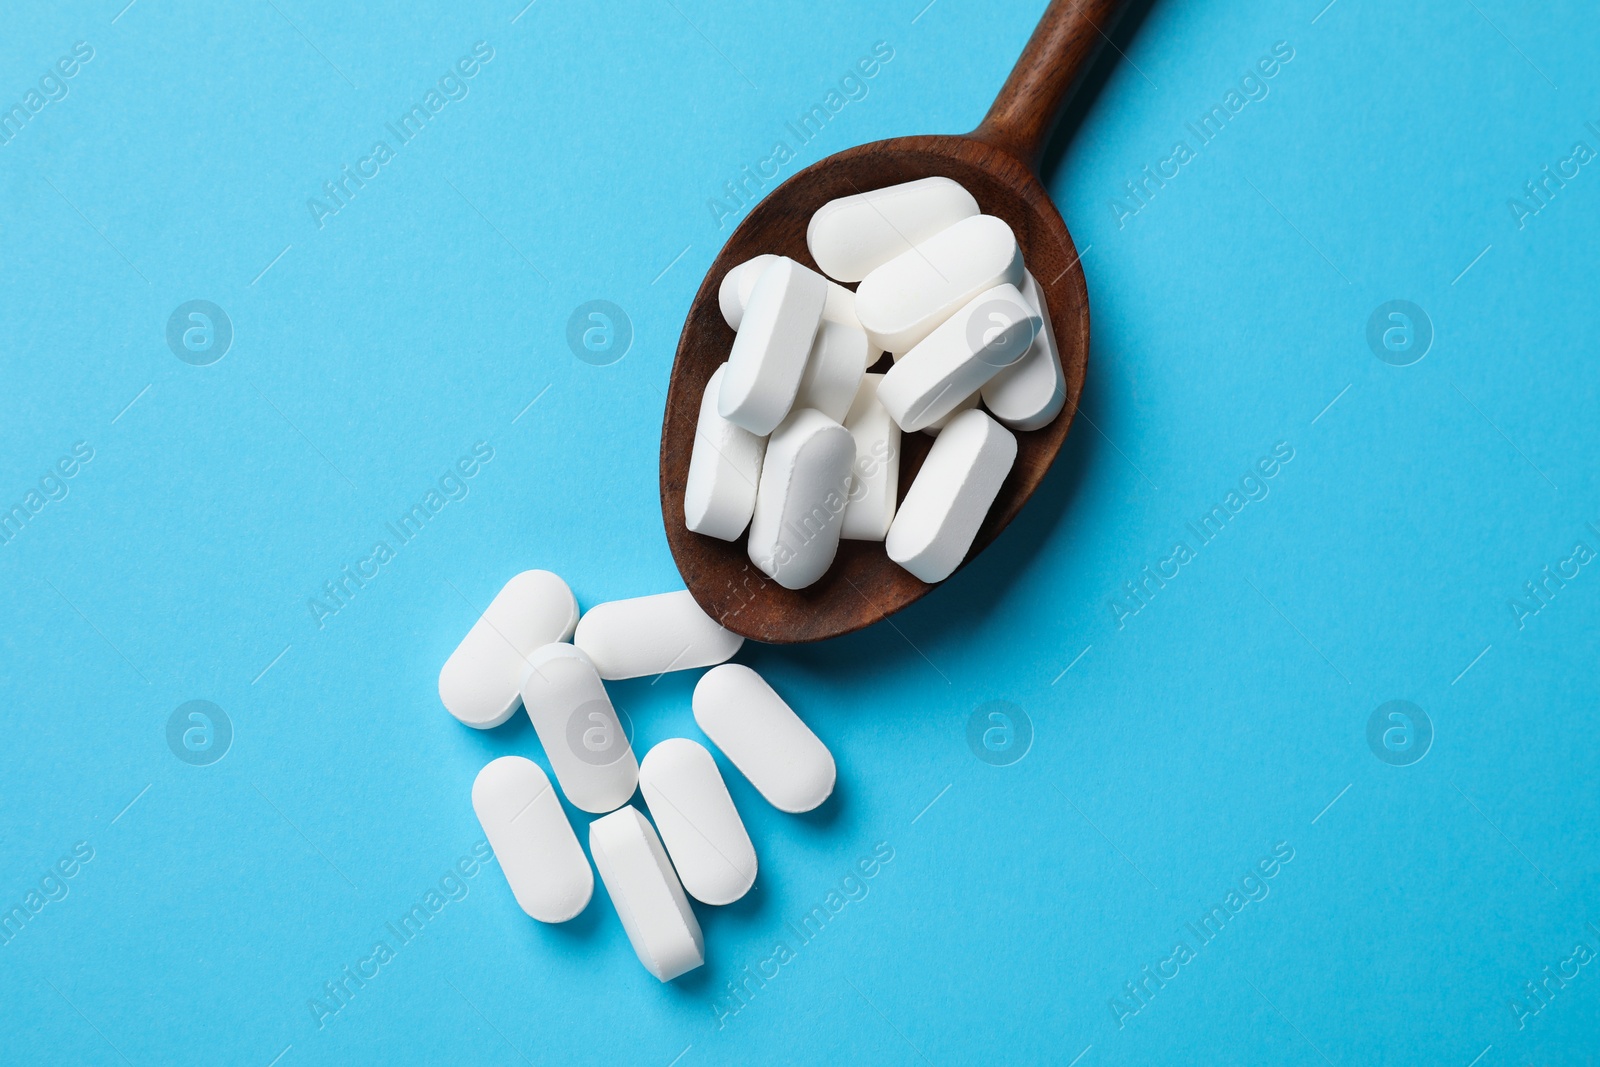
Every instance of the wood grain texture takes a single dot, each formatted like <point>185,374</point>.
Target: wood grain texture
<point>996,163</point>
<point>1067,36</point>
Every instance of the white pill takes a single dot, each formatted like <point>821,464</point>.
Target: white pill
<point>646,893</point>
<point>532,839</point>
<point>649,635</point>
<point>805,485</point>
<point>1030,393</point>
<point>950,496</point>
<point>902,301</point>
<point>838,359</point>
<point>481,681</point>
<point>875,475</point>
<point>698,823</point>
<point>724,469</point>
<point>854,235</point>
<point>734,293</point>
<point>578,728</point>
<point>763,737</point>
<point>989,333</point>
<point>770,349</point>
<point>933,428</point>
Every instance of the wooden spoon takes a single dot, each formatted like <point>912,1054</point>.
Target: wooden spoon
<point>997,162</point>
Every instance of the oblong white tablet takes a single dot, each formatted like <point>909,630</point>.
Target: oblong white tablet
<point>950,496</point>
<point>481,681</point>
<point>805,486</point>
<point>734,293</point>
<point>579,730</point>
<point>902,301</point>
<point>875,474</point>
<point>724,469</point>
<point>763,737</point>
<point>532,839</point>
<point>698,823</point>
<point>1031,392</point>
<point>770,349</point>
<point>647,635</point>
<point>933,428</point>
<point>646,893</point>
<point>854,235</point>
<point>989,333</point>
<point>839,357</point>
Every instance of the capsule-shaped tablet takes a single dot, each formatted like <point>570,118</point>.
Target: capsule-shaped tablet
<point>1031,392</point>
<point>532,839</point>
<point>579,730</point>
<point>734,293</point>
<point>724,469</point>
<point>649,635</point>
<point>989,333</point>
<point>481,681</point>
<point>769,352</point>
<point>950,495</point>
<point>646,893</point>
<point>698,823</point>
<point>838,359</point>
<point>933,428</point>
<point>902,301</point>
<point>805,486</point>
<point>763,737</point>
<point>854,235</point>
<point>875,474</point>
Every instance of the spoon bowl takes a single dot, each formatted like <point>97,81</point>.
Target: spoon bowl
<point>996,163</point>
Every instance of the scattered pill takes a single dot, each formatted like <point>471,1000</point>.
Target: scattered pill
<point>646,893</point>
<point>902,301</point>
<point>578,728</point>
<point>770,349</point>
<point>875,475</point>
<point>854,235</point>
<point>989,333</point>
<point>734,293</point>
<point>724,468</point>
<point>950,495</point>
<point>763,737</point>
<point>1030,393</point>
<point>649,635</point>
<point>697,820</point>
<point>481,681</point>
<point>838,359</point>
<point>532,839</point>
<point>805,485</point>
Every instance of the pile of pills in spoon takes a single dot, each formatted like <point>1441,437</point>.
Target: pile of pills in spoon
<point>798,445</point>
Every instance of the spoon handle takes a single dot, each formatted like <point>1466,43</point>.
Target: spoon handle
<point>1021,116</point>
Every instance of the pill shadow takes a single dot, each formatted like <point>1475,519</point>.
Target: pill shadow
<point>1089,85</point>
<point>722,924</point>
<point>967,599</point>
<point>821,820</point>
<point>514,737</point>
<point>583,928</point>
<point>976,591</point>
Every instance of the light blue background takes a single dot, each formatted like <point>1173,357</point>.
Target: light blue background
<point>1177,751</point>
